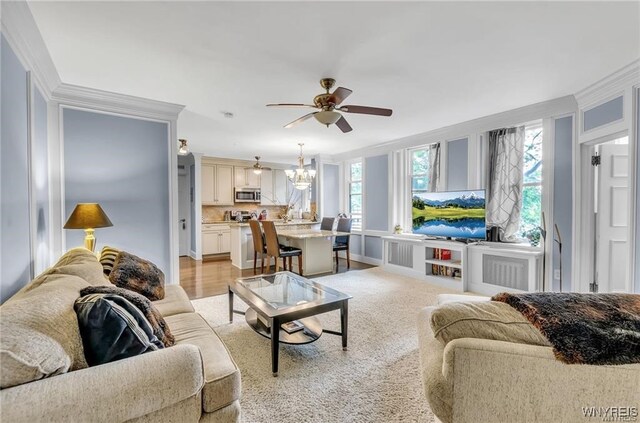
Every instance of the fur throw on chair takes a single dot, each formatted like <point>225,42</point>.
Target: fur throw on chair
<point>584,328</point>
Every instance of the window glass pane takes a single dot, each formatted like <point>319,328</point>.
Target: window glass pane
<point>420,162</point>
<point>533,155</point>
<point>355,203</point>
<point>356,222</point>
<point>356,171</point>
<point>531,208</point>
<point>356,188</point>
<point>420,183</point>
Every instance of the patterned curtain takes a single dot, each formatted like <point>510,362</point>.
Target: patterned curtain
<point>434,167</point>
<point>504,196</point>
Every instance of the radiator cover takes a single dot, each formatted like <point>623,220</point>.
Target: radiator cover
<point>508,272</point>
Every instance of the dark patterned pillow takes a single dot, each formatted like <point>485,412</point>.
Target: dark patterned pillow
<point>107,259</point>
<point>112,329</point>
<point>139,275</point>
<point>153,316</point>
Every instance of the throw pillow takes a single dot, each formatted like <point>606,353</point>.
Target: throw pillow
<point>108,258</point>
<point>485,320</point>
<point>153,316</point>
<point>112,329</point>
<point>139,275</point>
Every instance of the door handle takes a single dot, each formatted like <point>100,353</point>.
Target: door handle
<point>184,223</point>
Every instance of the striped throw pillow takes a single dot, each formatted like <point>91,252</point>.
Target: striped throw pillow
<point>108,258</point>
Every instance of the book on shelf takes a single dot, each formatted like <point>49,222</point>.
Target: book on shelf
<point>264,321</point>
<point>293,326</point>
<point>441,254</point>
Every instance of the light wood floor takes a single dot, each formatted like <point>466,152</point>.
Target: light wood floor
<point>210,277</point>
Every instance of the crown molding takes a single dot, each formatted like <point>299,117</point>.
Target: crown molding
<point>90,98</point>
<point>546,109</point>
<point>616,82</point>
<point>21,32</point>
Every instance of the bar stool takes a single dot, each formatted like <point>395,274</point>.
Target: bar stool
<point>275,250</point>
<point>258,245</point>
<point>327,224</point>
<point>341,243</point>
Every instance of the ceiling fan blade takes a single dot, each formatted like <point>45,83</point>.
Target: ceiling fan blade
<point>339,95</point>
<point>297,121</point>
<point>291,105</point>
<point>344,125</point>
<point>366,110</point>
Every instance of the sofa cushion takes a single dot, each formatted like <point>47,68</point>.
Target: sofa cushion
<point>485,320</point>
<point>108,258</point>
<point>175,301</point>
<point>112,329</point>
<point>221,374</point>
<point>40,335</point>
<point>139,275</point>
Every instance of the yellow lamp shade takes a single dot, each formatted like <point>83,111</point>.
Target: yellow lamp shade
<point>88,216</point>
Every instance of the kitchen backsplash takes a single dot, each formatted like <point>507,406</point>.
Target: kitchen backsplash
<point>216,213</point>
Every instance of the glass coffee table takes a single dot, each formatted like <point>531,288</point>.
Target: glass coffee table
<point>284,297</point>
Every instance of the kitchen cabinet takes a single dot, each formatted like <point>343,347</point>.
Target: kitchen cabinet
<point>216,239</point>
<point>244,177</point>
<point>273,188</point>
<point>217,184</point>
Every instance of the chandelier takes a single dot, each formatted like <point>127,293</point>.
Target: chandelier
<point>300,177</point>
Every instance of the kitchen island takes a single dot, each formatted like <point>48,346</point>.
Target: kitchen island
<point>316,246</point>
<point>242,241</point>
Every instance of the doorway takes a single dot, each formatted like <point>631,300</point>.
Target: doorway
<point>606,181</point>
<point>184,210</point>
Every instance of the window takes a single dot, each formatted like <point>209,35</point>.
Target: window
<point>355,195</point>
<point>419,171</point>
<point>530,216</point>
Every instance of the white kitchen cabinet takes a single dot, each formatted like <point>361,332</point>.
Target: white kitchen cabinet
<point>266,188</point>
<point>244,177</point>
<point>216,239</point>
<point>280,183</point>
<point>217,184</point>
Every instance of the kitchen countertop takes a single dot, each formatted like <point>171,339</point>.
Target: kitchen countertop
<point>277,223</point>
<point>309,233</point>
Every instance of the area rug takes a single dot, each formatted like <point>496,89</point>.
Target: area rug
<point>376,380</point>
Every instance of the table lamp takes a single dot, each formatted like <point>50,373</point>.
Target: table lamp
<point>88,216</point>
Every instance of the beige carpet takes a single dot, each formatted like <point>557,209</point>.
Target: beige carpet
<point>376,380</point>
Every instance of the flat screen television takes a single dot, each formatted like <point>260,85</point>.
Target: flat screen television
<point>452,214</point>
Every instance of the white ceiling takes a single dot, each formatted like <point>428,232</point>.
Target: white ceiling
<point>434,64</point>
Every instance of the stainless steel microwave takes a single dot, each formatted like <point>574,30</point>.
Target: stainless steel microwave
<point>247,195</point>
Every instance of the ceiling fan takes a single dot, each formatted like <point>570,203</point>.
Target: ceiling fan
<point>329,105</point>
<point>257,167</point>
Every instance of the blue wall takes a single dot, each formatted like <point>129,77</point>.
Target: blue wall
<point>330,190</point>
<point>15,246</point>
<point>40,174</point>
<point>376,195</point>
<point>605,113</point>
<point>121,163</point>
<point>563,199</point>
<point>457,164</point>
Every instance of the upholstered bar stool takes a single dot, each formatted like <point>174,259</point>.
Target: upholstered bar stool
<point>258,245</point>
<point>275,250</point>
<point>341,243</point>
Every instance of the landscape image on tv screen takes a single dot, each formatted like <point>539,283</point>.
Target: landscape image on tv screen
<point>453,214</point>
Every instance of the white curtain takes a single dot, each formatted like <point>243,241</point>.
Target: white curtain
<point>504,196</point>
<point>434,167</point>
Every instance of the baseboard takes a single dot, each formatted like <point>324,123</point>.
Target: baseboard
<point>363,259</point>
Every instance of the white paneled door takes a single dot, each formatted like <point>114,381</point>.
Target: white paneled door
<point>183,214</point>
<point>612,245</point>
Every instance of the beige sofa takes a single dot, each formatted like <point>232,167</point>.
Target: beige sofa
<point>195,380</point>
<point>479,380</point>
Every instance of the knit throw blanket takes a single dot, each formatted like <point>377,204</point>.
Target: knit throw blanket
<point>584,328</point>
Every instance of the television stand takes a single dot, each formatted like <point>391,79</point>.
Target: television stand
<point>419,259</point>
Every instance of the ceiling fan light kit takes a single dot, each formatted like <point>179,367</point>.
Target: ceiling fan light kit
<point>329,111</point>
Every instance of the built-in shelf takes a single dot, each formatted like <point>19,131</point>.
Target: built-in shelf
<point>447,263</point>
